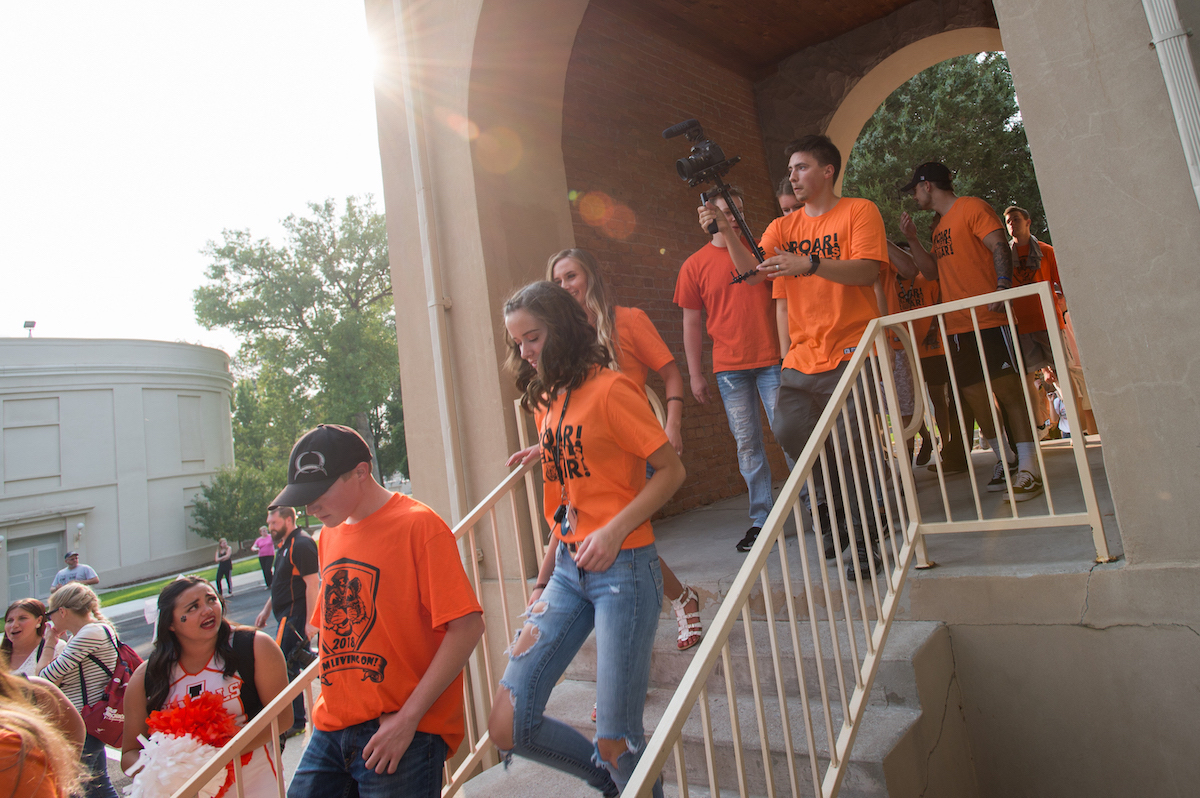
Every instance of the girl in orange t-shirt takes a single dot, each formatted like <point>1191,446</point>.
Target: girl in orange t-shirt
<point>634,348</point>
<point>597,435</point>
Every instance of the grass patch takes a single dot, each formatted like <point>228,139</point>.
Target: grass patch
<point>111,597</point>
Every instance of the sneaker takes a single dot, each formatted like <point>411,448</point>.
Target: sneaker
<point>747,542</point>
<point>925,453</point>
<point>1026,486</point>
<point>997,484</point>
<point>827,527</point>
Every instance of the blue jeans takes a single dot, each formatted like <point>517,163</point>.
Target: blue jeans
<point>622,604</point>
<point>741,392</point>
<point>333,767</point>
<point>95,763</point>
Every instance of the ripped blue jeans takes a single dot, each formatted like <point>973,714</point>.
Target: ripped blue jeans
<point>622,604</point>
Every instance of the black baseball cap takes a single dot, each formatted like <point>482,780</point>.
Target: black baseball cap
<point>931,171</point>
<point>317,460</point>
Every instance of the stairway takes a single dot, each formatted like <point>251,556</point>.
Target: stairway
<point>913,737</point>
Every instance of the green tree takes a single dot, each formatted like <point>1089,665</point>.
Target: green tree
<point>315,317</point>
<point>234,505</point>
<point>962,112</point>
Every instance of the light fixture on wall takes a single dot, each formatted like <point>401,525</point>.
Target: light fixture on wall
<point>78,534</point>
<point>29,325</point>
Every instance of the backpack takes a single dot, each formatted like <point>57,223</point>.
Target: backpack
<point>105,718</point>
<point>243,650</point>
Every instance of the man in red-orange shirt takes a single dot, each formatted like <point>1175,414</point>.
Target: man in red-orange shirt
<point>397,618</point>
<point>824,261</point>
<point>745,355</point>
<point>971,257</point>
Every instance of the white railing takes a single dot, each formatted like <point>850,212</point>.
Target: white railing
<point>829,633</point>
<point>483,672</point>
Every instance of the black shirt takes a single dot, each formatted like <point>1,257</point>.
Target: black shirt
<point>295,559</point>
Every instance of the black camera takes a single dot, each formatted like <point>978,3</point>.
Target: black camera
<point>707,161</point>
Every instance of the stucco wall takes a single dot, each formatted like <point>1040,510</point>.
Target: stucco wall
<point>118,436</point>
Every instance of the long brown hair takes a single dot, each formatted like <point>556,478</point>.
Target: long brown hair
<point>167,648</point>
<point>570,350</point>
<point>32,606</point>
<point>597,301</point>
<point>26,710</point>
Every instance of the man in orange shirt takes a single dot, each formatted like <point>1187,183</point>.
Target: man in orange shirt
<point>397,618</point>
<point>824,261</point>
<point>971,257</point>
<point>745,355</point>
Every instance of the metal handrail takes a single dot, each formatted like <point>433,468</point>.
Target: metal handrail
<point>480,678</point>
<point>860,610</point>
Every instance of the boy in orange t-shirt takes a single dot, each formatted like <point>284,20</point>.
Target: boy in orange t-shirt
<point>397,618</point>
<point>971,257</point>
<point>745,356</point>
<point>827,257</point>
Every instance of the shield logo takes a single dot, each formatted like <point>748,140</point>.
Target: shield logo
<point>349,605</point>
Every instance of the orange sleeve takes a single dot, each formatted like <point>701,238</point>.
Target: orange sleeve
<point>982,219</point>
<point>628,411</point>
<point>441,581</point>
<point>772,237</point>
<point>645,343</point>
<point>869,241</point>
<point>687,288</point>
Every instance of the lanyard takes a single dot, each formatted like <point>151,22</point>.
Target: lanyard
<point>559,458</point>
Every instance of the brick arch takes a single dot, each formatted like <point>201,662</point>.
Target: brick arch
<point>891,73</point>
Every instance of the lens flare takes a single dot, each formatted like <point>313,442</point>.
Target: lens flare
<point>457,123</point>
<point>499,150</point>
<point>621,224</point>
<point>596,208</point>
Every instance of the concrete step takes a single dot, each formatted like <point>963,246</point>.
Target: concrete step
<point>571,702</point>
<point>904,714</point>
<point>895,683</point>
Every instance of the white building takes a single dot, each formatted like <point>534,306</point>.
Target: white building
<point>105,446</point>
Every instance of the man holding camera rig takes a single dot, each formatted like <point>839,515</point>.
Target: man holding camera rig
<point>827,256</point>
<point>745,353</point>
<point>295,590</point>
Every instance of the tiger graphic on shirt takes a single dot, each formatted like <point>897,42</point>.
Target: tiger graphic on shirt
<point>349,615</point>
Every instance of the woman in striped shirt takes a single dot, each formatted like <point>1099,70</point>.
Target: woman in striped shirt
<point>75,610</point>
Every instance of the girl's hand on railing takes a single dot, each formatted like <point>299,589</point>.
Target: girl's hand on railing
<point>523,457</point>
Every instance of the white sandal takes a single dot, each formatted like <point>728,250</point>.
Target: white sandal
<point>690,628</point>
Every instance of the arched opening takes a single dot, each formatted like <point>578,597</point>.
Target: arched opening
<point>870,92</point>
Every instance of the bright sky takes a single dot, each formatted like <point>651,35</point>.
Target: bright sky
<point>133,132</point>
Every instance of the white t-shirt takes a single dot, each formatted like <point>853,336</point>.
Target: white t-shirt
<point>79,573</point>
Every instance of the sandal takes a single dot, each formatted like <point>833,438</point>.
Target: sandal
<point>690,629</point>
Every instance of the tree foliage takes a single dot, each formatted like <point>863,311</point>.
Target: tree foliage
<point>962,112</point>
<point>318,345</point>
<point>234,505</point>
<point>317,327</point>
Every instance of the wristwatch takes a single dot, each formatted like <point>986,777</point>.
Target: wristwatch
<point>815,260</point>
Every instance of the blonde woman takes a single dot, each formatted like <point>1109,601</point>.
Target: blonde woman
<point>224,560</point>
<point>75,611</point>
<point>634,348</point>
<point>40,737</point>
